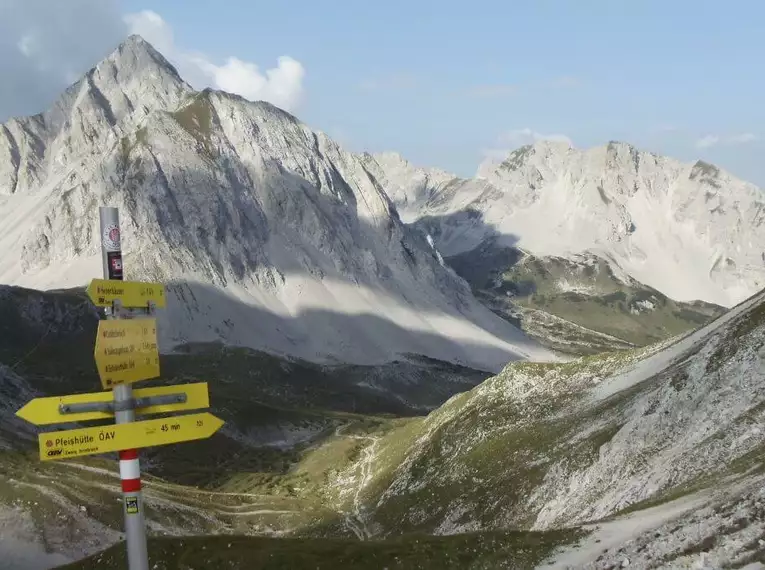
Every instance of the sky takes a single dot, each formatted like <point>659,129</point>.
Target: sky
<point>446,83</point>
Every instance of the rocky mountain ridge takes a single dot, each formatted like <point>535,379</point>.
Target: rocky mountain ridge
<point>691,231</point>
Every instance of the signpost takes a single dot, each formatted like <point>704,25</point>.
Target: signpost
<point>104,292</point>
<point>105,439</point>
<point>126,351</point>
<point>100,405</point>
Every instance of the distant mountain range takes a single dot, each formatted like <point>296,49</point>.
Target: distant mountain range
<point>574,244</point>
<point>690,231</point>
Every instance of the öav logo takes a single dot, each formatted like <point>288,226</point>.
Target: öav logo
<point>111,238</point>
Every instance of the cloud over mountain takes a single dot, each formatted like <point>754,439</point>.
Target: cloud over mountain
<point>281,85</point>
<point>46,46</point>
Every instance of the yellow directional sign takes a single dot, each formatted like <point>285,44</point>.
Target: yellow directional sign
<point>103,292</point>
<point>148,433</point>
<point>45,411</point>
<point>126,351</point>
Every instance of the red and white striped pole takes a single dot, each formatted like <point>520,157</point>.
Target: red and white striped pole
<point>130,471</point>
<point>124,412</point>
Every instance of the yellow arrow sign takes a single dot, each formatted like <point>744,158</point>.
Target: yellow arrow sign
<point>91,441</point>
<point>126,351</point>
<point>45,411</point>
<point>103,292</point>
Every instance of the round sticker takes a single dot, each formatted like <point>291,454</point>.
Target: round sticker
<point>111,238</point>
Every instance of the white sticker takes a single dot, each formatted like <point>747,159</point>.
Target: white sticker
<point>111,238</point>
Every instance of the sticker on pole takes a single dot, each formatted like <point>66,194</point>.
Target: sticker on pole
<point>131,505</point>
<point>114,259</point>
<point>111,238</point>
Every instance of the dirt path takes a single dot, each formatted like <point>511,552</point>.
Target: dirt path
<point>357,520</point>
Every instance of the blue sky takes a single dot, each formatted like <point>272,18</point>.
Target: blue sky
<point>447,82</point>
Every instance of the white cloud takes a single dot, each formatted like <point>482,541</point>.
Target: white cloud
<point>28,45</point>
<point>511,140</point>
<point>282,85</point>
<point>496,154</point>
<point>520,137</point>
<point>44,45</point>
<point>709,141</point>
<point>743,138</point>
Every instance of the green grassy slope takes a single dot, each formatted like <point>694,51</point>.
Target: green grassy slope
<point>475,472</point>
<point>495,457</point>
<point>477,461</point>
<point>480,465</point>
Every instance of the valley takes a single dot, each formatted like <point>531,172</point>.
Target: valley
<point>542,447</point>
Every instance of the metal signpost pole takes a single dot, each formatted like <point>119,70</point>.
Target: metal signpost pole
<point>124,412</point>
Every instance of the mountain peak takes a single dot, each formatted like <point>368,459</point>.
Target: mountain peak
<point>135,72</point>
<point>221,192</point>
<point>137,40</point>
<point>111,99</point>
<point>620,144</point>
<point>137,54</point>
<point>391,157</point>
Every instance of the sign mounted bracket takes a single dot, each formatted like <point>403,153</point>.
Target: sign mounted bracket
<point>119,311</point>
<point>131,404</point>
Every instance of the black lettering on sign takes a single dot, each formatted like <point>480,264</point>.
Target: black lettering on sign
<point>54,452</point>
<point>106,435</point>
